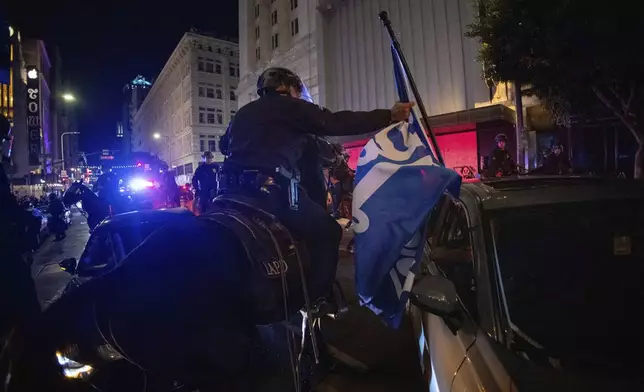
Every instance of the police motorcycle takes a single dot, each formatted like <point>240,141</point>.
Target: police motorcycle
<point>136,329</point>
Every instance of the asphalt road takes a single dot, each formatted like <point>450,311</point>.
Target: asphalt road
<point>49,278</point>
<point>379,359</point>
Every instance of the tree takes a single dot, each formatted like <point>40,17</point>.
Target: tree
<point>576,56</point>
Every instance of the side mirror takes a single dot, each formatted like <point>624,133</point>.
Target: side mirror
<point>437,295</point>
<point>68,265</point>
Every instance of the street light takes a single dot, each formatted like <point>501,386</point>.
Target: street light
<point>62,149</point>
<point>158,136</point>
<point>69,97</point>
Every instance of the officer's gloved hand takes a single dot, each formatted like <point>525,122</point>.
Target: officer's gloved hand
<point>401,111</point>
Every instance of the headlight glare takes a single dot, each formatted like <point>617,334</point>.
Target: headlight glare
<point>73,369</point>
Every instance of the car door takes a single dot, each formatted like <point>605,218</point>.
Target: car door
<point>448,341</point>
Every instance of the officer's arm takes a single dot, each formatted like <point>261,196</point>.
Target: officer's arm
<point>323,122</point>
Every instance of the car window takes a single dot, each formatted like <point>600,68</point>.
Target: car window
<point>132,236</point>
<point>452,254</point>
<point>98,252</point>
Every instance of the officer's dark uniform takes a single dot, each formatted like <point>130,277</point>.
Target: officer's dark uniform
<point>272,132</point>
<point>500,161</point>
<point>556,164</point>
<point>204,182</point>
<point>312,176</point>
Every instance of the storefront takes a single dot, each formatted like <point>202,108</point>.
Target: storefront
<point>464,137</point>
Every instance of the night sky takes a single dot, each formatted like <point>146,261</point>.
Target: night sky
<point>103,48</point>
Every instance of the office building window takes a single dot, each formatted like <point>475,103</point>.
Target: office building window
<point>202,115</point>
<point>257,54</point>
<point>210,92</point>
<point>231,70</point>
<point>219,94</point>
<point>201,65</point>
<point>218,68</point>
<point>210,115</point>
<point>293,4</point>
<point>202,143</point>
<point>202,91</point>
<point>232,95</point>
<point>295,26</point>
<point>205,65</point>
<point>275,41</point>
<point>220,116</point>
<point>257,10</point>
<point>232,115</point>
<point>274,18</point>
<point>256,32</point>
<point>212,144</point>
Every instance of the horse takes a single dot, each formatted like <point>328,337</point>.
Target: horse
<point>200,302</point>
<point>96,208</point>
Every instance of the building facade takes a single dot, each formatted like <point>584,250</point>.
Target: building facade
<point>279,33</point>
<point>343,54</point>
<point>39,105</point>
<point>134,94</point>
<point>190,104</point>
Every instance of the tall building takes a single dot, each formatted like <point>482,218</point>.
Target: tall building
<point>342,53</point>
<point>277,33</point>
<point>190,104</point>
<point>39,98</point>
<point>134,94</point>
<point>13,103</point>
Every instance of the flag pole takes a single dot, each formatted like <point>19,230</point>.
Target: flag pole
<point>384,17</point>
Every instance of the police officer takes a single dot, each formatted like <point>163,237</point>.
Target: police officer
<point>557,162</point>
<point>501,163</point>
<point>269,135</point>
<point>204,182</point>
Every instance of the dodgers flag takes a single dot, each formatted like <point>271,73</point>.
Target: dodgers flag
<point>398,182</point>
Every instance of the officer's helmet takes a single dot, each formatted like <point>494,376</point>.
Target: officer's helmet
<point>500,138</point>
<point>273,78</point>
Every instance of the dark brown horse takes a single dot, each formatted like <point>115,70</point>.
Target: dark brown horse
<point>96,208</point>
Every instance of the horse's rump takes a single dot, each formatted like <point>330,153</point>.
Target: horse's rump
<point>278,263</point>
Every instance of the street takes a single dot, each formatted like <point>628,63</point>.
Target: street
<point>381,359</point>
<point>49,278</point>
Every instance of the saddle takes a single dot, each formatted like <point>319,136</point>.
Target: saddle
<point>278,263</point>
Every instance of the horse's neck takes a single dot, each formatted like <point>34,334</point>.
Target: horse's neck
<point>89,197</point>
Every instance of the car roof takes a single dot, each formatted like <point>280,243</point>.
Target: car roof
<point>162,215</point>
<point>521,191</point>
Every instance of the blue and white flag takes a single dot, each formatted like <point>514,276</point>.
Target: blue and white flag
<point>398,182</point>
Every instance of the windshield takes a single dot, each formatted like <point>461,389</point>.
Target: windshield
<point>109,245</point>
<point>573,275</point>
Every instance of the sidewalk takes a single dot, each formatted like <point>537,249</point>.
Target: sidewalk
<point>49,279</point>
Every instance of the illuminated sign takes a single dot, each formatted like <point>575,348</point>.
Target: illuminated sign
<point>33,117</point>
<point>32,73</point>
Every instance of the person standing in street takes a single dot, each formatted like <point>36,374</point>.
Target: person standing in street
<point>204,182</point>
<point>57,211</point>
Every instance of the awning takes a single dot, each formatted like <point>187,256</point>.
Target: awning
<point>448,120</point>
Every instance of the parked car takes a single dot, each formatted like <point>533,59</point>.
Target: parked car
<point>37,227</point>
<point>533,284</point>
<point>114,238</point>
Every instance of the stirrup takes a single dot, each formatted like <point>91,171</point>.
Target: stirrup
<point>334,307</point>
